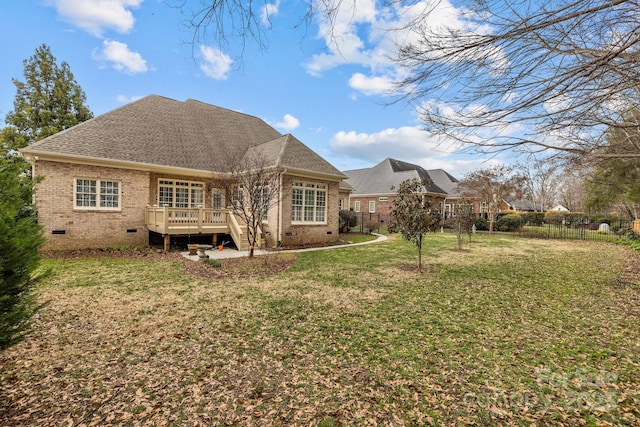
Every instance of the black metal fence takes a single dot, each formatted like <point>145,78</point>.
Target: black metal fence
<point>368,222</point>
<point>587,230</point>
<point>570,227</point>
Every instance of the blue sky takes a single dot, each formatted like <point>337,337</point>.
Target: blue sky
<point>334,97</point>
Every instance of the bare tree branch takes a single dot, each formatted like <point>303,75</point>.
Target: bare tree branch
<point>560,73</point>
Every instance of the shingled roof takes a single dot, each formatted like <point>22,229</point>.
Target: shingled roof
<point>445,180</point>
<point>387,174</point>
<point>191,135</point>
<point>287,152</point>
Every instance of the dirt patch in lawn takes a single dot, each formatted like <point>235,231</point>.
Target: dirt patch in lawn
<point>242,267</point>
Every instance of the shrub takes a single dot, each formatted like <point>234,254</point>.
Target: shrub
<point>569,219</point>
<point>348,220</point>
<point>481,224</point>
<point>510,222</point>
<point>371,225</point>
<point>212,262</point>
<point>533,218</point>
<point>555,217</point>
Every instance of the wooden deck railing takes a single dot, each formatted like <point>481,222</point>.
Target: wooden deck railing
<point>166,220</point>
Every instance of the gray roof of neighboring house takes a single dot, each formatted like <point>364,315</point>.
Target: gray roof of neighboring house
<point>387,174</point>
<point>445,180</point>
<point>521,204</point>
<point>194,135</point>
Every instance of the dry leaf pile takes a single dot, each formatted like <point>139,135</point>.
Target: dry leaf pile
<point>327,339</point>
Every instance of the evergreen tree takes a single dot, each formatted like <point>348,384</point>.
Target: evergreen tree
<point>615,178</point>
<point>48,101</point>
<point>20,241</point>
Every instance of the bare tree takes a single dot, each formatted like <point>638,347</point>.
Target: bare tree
<point>250,21</point>
<point>491,185</point>
<point>560,73</point>
<point>415,213</point>
<point>614,182</point>
<point>463,218</point>
<point>500,74</point>
<point>541,181</point>
<point>253,188</point>
<point>572,192</point>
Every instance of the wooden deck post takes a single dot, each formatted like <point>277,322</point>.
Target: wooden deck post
<point>167,242</point>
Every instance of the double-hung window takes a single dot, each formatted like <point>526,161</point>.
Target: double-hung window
<point>237,196</point>
<point>180,194</point>
<point>309,203</point>
<point>264,201</point>
<point>92,193</point>
<point>217,199</point>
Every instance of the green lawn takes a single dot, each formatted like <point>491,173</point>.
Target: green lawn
<point>508,332</point>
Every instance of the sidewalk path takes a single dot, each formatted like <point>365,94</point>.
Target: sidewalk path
<point>234,253</point>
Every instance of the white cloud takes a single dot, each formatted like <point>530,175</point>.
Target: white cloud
<point>371,85</point>
<point>270,10</point>
<point>410,144</point>
<point>127,99</point>
<point>121,58</point>
<point>96,16</point>
<point>369,36</point>
<point>288,122</point>
<point>404,143</point>
<point>216,64</point>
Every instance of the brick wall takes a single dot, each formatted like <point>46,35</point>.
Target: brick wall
<point>381,206</point>
<point>296,234</point>
<point>90,228</point>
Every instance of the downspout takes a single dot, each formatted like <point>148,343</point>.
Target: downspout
<point>279,242</point>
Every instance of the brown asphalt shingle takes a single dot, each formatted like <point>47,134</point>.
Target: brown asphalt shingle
<point>160,131</point>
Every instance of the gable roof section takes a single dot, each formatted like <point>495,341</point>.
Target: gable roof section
<point>387,174</point>
<point>445,180</point>
<point>160,131</point>
<point>288,152</point>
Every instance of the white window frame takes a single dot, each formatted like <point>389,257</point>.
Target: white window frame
<point>100,193</point>
<point>372,206</point>
<point>187,194</point>
<point>383,199</point>
<point>309,203</point>
<point>265,201</point>
<point>356,206</point>
<point>237,196</point>
<point>217,193</point>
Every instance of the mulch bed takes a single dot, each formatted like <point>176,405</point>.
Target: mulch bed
<point>242,267</point>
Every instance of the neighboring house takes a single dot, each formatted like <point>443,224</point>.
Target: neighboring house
<point>374,189</point>
<point>148,169</point>
<point>517,205</point>
<point>449,184</point>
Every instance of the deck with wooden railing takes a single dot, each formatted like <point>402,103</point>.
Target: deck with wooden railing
<point>184,221</point>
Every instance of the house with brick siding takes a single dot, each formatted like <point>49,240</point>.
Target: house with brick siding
<point>374,189</point>
<point>147,171</point>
